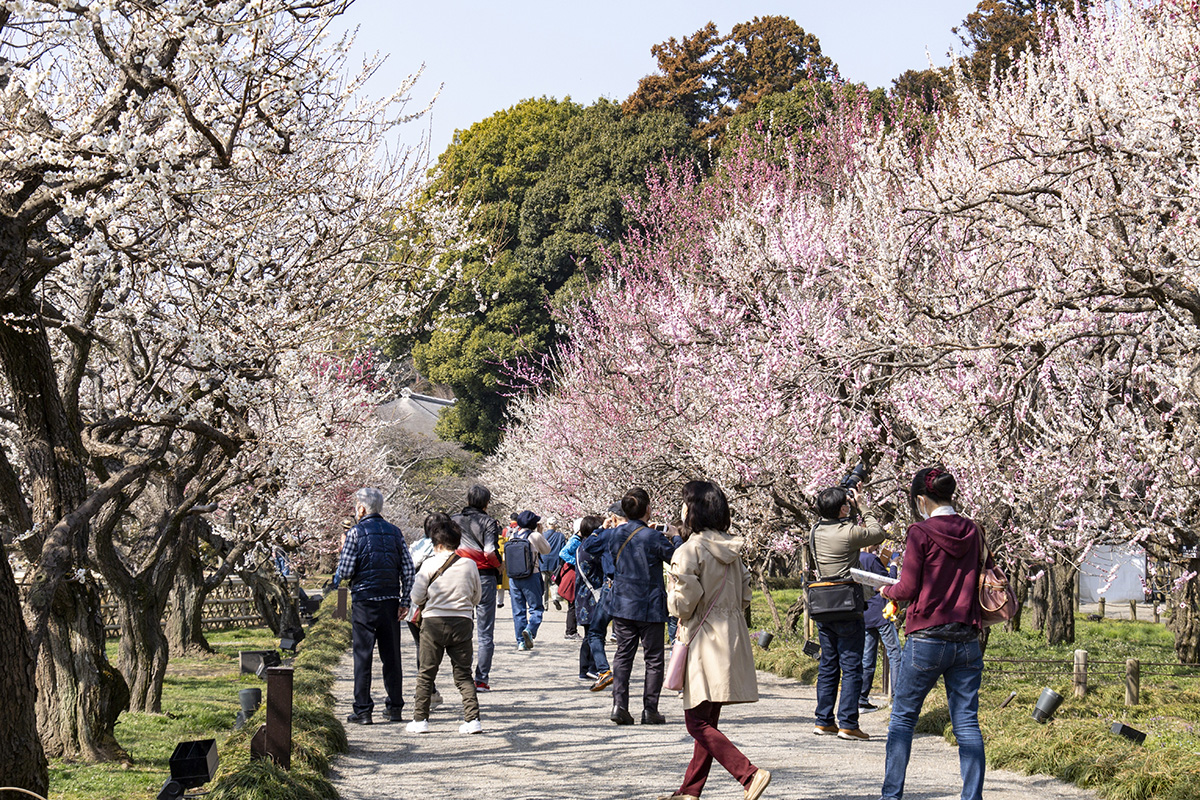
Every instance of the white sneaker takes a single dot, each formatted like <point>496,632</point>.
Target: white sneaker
<point>418,726</point>
<point>473,726</point>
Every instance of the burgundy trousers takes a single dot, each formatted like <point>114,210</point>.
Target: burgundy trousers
<point>711,743</point>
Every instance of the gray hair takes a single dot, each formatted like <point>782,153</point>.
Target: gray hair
<point>370,499</point>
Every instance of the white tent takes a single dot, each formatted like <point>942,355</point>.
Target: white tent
<point>1122,569</point>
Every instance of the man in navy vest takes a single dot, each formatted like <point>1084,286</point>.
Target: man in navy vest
<point>376,561</point>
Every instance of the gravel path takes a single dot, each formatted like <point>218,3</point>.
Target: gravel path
<point>546,736</point>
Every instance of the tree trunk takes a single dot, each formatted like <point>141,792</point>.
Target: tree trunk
<point>272,599</point>
<point>1185,615</point>
<point>22,760</point>
<point>185,609</point>
<point>795,613</point>
<point>1060,596</point>
<point>1020,586</point>
<point>1039,601</point>
<point>80,695</point>
<point>144,650</point>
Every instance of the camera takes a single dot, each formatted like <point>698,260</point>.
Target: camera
<point>855,477</point>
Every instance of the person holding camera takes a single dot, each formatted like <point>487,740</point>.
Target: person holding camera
<point>835,543</point>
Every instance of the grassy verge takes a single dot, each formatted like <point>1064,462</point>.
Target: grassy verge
<point>1077,745</point>
<point>317,734</point>
<point>200,702</point>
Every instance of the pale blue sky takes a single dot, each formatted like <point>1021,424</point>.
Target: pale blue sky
<point>490,55</point>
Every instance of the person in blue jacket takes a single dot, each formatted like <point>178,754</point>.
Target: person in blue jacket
<point>637,603</point>
<point>877,559</point>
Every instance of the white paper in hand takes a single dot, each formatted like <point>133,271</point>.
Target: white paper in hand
<point>871,579</point>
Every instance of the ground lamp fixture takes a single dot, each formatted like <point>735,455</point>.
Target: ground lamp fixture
<point>192,764</point>
<point>1132,734</point>
<point>764,639</point>
<point>812,649</point>
<point>250,700</point>
<point>1047,704</point>
<point>290,637</point>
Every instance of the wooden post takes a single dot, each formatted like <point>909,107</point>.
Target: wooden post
<point>1080,676</point>
<point>886,680</point>
<point>1133,609</point>
<point>1156,620</point>
<point>341,607</point>
<point>1102,606</point>
<point>1133,689</point>
<point>274,740</point>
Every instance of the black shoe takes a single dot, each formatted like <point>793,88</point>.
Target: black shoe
<point>360,719</point>
<point>866,705</point>
<point>621,716</point>
<point>650,717</point>
<point>392,715</point>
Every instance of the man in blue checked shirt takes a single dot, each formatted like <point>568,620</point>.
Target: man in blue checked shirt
<point>376,561</point>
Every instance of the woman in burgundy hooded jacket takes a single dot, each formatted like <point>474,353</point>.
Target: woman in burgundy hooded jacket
<point>939,580</point>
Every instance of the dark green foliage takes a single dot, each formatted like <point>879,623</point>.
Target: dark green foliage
<point>547,179</point>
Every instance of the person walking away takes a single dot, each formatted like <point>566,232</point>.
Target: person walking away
<point>880,629</point>
<point>709,593</point>
<point>376,562</point>
<point>550,564</point>
<point>521,561</point>
<point>593,661</point>
<point>447,589</point>
<point>481,544</point>
<point>940,582</point>
<point>835,542</point>
<point>638,605</point>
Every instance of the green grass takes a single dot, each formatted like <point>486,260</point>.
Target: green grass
<point>1077,745</point>
<point>199,702</point>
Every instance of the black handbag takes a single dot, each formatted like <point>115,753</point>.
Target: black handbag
<point>835,599</point>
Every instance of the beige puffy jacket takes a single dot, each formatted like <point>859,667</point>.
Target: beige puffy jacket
<point>720,665</point>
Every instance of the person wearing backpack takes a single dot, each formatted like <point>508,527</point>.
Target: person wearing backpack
<point>521,553</point>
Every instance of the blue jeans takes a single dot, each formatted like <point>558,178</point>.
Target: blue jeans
<point>841,658</point>
<point>891,644</point>
<point>960,664</point>
<point>485,625</point>
<point>593,641</point>
<point>527,606</point>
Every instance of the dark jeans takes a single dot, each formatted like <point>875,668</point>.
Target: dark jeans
<point>711,743</point>
<point>886,634</point>
<point>572,625</point>
<point>593,641</point>
<point>841,658</point>
<point>485,625</point>
<point>960,665</point>
<point>374,621</point>
<point>439,636</point>
<point>629,632</point>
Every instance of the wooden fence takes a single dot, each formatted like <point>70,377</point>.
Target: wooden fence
<point>229,605</point>
<point>1084,673</point>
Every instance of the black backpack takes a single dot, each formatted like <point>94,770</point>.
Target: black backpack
<point>519,560</point>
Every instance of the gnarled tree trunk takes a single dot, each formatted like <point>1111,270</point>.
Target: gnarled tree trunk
<point>22,760</point>
<point>1185,614</point>
<point>79,694</point>
<point>143,652</point>
<point>185,608</point>
<point>1060,601</point>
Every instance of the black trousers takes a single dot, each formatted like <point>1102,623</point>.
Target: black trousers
<point>373,621</point>
<point>629,632</point>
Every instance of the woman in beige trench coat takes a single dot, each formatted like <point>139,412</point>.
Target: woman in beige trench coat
<point>709,592</point>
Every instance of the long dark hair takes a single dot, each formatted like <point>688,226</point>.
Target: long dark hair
<point>707,507</point>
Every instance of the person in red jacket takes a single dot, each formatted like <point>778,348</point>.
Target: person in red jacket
<point>939,581</point>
